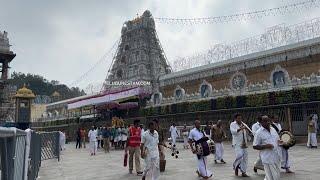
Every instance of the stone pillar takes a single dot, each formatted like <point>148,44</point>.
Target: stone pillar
<point>4,70</point>
<point>289,123</point>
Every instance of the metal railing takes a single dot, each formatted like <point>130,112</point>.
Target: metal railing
<point>21,152</point>
<point>50,145</point>
<point>293,116</point>
<point>35,156</point>
<point>12,150</point>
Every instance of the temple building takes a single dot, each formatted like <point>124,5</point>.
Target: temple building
<point>140,57</point>
<point>133,76</point>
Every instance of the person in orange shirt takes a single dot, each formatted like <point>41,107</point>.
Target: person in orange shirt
<point>83,137</point>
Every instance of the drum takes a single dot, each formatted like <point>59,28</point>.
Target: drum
<point>205,148</point>
<point>287,138</point>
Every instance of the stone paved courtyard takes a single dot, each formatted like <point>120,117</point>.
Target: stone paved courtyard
<point>78,165</point>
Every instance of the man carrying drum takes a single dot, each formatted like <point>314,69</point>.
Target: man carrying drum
<point>285,163</point>
<point>196,135</point>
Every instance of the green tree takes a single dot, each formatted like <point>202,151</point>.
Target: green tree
<point>41,86</point>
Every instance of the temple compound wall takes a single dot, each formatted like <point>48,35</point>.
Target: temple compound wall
<point>283,68</point>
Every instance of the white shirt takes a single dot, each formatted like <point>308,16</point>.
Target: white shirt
<point>237,137</point>
<point>119,132</point>
<point>195,134</point>
<point>151,142</point>
<point>62,136</point>
<point>173,131</point>
<point>263,137</point>
<point>92,135</point>
<point>255,127</point>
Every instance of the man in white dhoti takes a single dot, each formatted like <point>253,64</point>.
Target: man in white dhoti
<point>239,131</point>
<point>312,131</point>
<point>150,152</point>
<point>285,161</point>
<point>62,139</point>
<point>196,135</point>
<point>255,127</point>
<point>185,134</point>
<point>266,140</point>
<point>162,144</point>
<point>174,133</point>
<point>218,135</point>
<point>92,135</point>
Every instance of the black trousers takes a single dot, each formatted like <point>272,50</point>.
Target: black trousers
<point>78,143</point>
<point>101,143</point>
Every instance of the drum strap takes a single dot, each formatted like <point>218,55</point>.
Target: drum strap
<point>198,156</point>
<point>275,127</point>
<point>203,139</point>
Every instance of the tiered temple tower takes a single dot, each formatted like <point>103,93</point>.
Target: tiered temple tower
<point>6,101</point>
<point>139,56</point>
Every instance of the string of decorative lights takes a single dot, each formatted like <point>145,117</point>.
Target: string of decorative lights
<point>273,37</point>
<point>286,9</point>
<point>103,87</point>
<point>101,60</point>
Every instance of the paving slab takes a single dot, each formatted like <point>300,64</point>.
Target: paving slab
<point>77,164</point>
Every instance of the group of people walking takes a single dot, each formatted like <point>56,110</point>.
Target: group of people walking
<point>150,145</point>
<point>273,152</point>
<point>106,137</point>
<point>102,137</point>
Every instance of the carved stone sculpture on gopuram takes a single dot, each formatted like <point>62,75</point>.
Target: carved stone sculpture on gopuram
<point>139,57</point>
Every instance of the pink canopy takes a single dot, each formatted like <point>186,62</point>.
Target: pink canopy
<point>109,98</point>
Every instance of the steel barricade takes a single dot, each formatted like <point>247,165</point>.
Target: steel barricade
<point>16,145</point>
<point>50,145</point>
<point>34,156</point>
<point>12,151</point>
